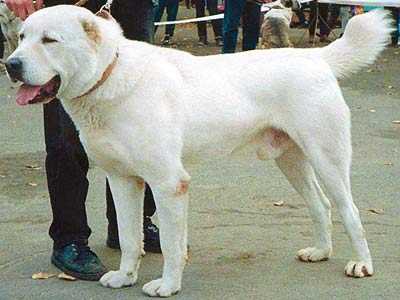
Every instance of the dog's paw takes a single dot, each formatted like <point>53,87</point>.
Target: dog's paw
<point>359,269</point>
<point>160,288</point>
<point>313,254</point>
<point>118,279</point>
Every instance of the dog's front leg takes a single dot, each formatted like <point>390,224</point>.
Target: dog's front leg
<point>128,194</point>
<point>172,204</point>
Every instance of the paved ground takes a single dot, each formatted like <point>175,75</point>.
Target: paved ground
<point>242,246</point>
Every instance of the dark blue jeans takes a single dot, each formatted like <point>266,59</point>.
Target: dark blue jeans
<point>172,11</point>
<point>251,13</point>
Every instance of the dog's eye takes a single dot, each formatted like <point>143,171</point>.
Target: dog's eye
<point>47,40</point>
<point>21,36</point>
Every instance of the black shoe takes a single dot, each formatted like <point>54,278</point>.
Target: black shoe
<point>78,261</point>
<point>151,237</point>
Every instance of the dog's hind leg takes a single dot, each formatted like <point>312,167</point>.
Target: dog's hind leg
<point>171,198</point>
<point>330,156</point>
<point>301,175</point>
<point>128,198</point>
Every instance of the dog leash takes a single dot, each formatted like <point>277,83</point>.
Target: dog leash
<point>105,7</point>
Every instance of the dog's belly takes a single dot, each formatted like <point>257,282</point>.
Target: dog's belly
<point>215,131</point>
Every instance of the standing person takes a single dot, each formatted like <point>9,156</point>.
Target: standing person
<point>323,10</point>
<point>67,163</point>
<point>211,5</point>
<point>172,7</point>
<point>251,13</point>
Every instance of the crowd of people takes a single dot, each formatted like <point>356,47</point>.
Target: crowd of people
<point>66,160</point>
<point>249,11</point>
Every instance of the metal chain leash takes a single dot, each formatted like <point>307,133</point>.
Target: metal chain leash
<point>106,6</point>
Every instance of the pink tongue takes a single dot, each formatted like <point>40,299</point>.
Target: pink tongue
<point>27,93</point>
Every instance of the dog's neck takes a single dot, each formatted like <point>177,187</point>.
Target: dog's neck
<point>92,110</point>
<point>107,72</point>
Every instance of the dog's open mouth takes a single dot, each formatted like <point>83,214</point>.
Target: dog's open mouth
<point>30,94</point>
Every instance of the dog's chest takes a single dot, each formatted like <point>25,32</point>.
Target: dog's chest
<point>109,152</point>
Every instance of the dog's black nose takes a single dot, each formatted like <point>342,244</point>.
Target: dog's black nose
<point>14,68</point>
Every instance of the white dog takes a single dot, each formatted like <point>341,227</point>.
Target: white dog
<point>144,111</point>
<point>276,24</point>
<point>10,26</point>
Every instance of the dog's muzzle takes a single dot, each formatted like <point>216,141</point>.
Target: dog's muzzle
<point>14,69</point>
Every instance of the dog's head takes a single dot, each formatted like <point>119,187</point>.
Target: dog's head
<point>62,52</point>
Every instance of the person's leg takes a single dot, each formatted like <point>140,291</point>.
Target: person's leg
<point>395,15</point>
<point>212,7</point>
<point>201,26</point>
<point>158,12</point>
<point>112,229</point>
<point>334,15</point>
<point>172,12</point>
<point>232,14</point>
<point>137,18</point>
<point>323,21</point>
<point>396,34</point>
<point>66,169</point>
<point>345,15</point>
<point>312,19</point>
<point>2,40</point>
<point>251,25</point>
<point>149,205</point>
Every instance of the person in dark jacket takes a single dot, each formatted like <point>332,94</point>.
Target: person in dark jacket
<point>67,163</point>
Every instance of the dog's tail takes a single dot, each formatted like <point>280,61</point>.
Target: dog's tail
<point>364,39</point>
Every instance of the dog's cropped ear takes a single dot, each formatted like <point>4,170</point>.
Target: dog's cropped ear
<point>92,30</point>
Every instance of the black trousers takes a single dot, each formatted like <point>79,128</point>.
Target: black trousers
<point>212,7</point>
<point>2,41</point>
<point>66,160</point>
<point>323,10</point>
